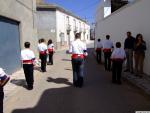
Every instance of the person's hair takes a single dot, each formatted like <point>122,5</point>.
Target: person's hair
<point>39,41</point>
<point>27,44</point>
<point>99,40</point>
<point>118,45</point>
<point>129,32</point>
<point>42,40</point>
<point>49,42</point>
<point>137,36</point>
<point>107,37</point>
<point>77,35</point>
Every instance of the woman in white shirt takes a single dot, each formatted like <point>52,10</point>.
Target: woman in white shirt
<point>50,52</point>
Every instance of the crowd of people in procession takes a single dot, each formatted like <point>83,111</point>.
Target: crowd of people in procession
<point>113,59</point>
<point>134,49</point>
<point>28,61</point>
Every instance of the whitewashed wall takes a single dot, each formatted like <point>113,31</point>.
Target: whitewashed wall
<point>61,26</point>
<point>135,18</point>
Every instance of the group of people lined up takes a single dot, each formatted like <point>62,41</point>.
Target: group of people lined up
<point>28,59</point>
<point>77,49</point>
<point>114,57</point>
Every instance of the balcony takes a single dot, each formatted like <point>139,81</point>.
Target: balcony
<point>80,30</point>
<point>75,29</point>
<point>68,27</point>
<point>84,31</point>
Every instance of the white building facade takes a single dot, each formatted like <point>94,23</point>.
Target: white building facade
<point>61,25</point>
<point>132,17</point>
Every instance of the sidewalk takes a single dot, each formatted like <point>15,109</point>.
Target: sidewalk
<point>143,83</point>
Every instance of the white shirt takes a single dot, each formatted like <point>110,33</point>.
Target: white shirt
<point>2,73</point>
<point>98,45</point>
<point>77,47</point>
<point>107,44</point>
<point>51,46</point>
<point>27,54</point>
<point>118,53</point>
<point>42,47</point>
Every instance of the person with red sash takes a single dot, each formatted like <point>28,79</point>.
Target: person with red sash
<point>98,50</point>
<point>118,56</point>
<point>28,58</point>
<point>50,52</point>
<point>4,78</point>
<point>107,48</point>
<point>79,52</point>
<point>42,47</point>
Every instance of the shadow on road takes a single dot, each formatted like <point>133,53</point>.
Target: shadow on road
<point>19,82</point>
<point>59,80</point>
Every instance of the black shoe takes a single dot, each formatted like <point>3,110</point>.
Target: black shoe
<point>127,70</point>
<point>48,63</point>
<point>30,87</point>
<point>44,71</point>
<point>113,81</point>
<point>119,82</point>
<point>136,75</point>
<point>132,72</point>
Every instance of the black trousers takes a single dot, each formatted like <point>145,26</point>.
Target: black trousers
<point>78,71</point>
<point>107,56</point>
<point>43,58</point>
<point>98,56</point>
<point>28,71</point>
<point>116,71</point>
<point>1,99</point>
<point>51,57</point>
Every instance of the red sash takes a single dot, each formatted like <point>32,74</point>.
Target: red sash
<point>106,50</point>
<point>50,50</point>
<point>27,61</point>
<point>43,52</point>
<point>98,49</point>
<point>74,56</point>
<point>117,59</point>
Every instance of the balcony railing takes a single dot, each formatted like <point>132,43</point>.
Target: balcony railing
<point>75,29</point>
<point>80,30</point>
<point>68,27</point>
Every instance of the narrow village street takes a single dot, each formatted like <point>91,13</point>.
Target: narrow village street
<point>53,91</point>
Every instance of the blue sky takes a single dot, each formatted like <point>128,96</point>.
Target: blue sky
<point>81,8</point>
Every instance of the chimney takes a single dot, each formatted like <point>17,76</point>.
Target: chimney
<point>39,1</point>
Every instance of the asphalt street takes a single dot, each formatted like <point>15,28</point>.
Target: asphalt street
<point>53,91</point>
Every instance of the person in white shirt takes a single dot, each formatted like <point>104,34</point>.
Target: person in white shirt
<point>28,57</point>
<point>98,50</point>
<point>117,57</point>
<point>4,78</point>
<point>79,52</point>
<point>42,47</point>
<point>50,51</point>
<point>107,48</point>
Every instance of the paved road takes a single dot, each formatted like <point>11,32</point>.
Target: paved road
<point>54,93</point>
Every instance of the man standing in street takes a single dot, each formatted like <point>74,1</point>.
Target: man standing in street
<point>42,47</point>
<point>98,51</point>
<point>129,46</point>
<point>107,48</point>
<point>79,52</point>
<point>28,58</point>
